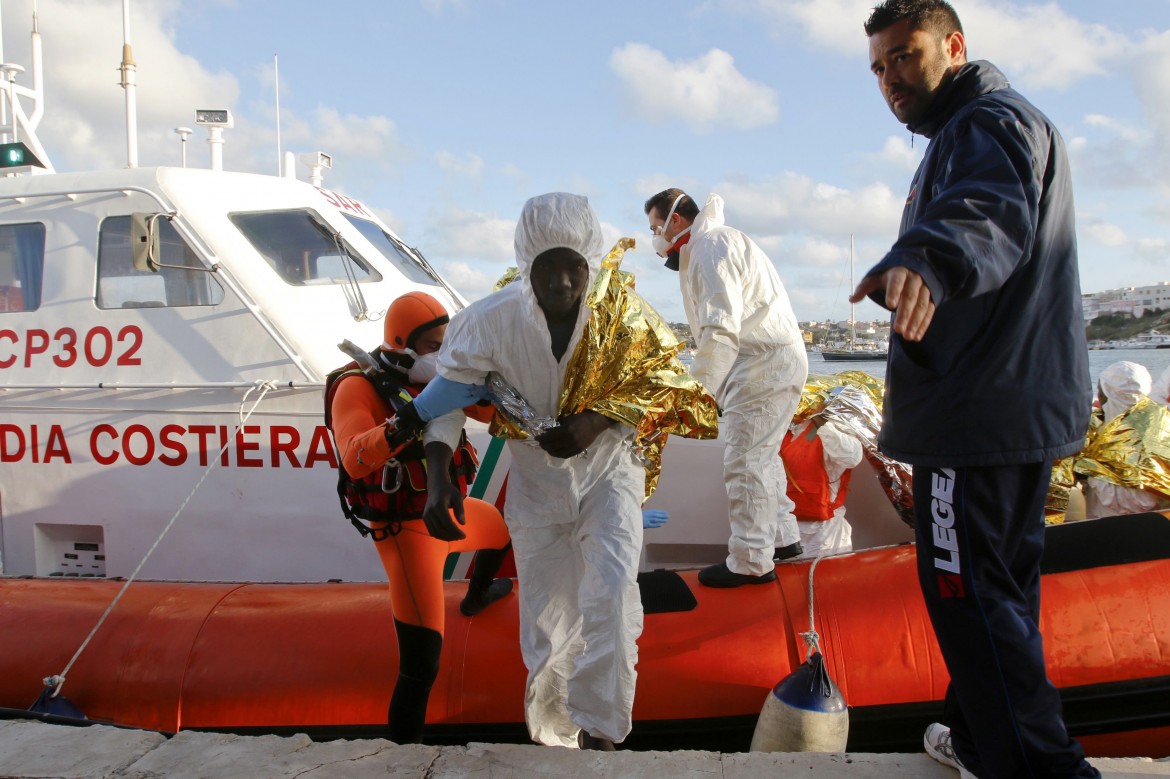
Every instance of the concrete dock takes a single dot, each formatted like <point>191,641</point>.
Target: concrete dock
<point>31,749</point>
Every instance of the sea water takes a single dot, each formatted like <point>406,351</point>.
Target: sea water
<point>1156,360</point>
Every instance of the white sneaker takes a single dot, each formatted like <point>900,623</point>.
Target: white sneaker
<point>937,741</point>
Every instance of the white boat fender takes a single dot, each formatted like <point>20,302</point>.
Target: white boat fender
<point>804,712</point>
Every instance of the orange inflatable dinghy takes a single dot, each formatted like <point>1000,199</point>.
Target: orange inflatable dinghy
<point>321,659</point>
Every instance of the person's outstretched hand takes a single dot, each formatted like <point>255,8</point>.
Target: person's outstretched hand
<point>906,294</point>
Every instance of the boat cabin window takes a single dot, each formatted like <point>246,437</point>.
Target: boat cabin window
<point>409,261</point>
<point>303,249</point>
<point>120,285</point>
<point>22,266</point>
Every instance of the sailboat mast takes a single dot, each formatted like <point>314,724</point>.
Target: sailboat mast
<point>852,306</point>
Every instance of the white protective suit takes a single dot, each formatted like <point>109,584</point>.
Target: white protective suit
<point>749,353</point>
<point>1161,389</point>
<point>841,453</point>
<point>1123,384</point>
<point>576,524</point>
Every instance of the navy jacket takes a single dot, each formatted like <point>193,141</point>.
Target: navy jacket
<point>1001,376</point>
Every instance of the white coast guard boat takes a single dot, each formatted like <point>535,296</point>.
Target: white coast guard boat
<point>122,388</point>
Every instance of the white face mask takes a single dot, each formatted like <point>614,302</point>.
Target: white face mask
<point>425,368</point>
<point>660,245</point>
<point>659,242</point>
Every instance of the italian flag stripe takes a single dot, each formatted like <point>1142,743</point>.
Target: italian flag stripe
<point>487,486</point>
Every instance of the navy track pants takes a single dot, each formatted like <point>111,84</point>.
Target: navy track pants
<point>980,535</point>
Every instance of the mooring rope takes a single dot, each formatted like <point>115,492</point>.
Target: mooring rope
<point>57,681</point>
<point>811,639</point>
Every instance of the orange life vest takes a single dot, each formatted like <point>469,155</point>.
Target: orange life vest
<point>808,482</point>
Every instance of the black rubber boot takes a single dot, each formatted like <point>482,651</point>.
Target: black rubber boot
<point>788,552</point>
<point>484,589</point>
<point>720,575</point>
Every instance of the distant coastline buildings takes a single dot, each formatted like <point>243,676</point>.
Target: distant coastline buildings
<point>1132,301</point>
<point>818,334</point>
<point>835,334</point>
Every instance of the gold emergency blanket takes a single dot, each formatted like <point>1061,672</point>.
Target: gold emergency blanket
<point>853,400</point>
<point>1131,450</point>
<point>626,367</point>
<point>1060,486</point>
<point>1063,480</point>
<point>819,387</point>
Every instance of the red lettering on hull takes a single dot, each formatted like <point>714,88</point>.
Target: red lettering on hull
<point>17,443</point>
<point>253,446</point>
<point>65,348</point>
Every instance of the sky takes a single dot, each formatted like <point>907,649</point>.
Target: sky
<point>446,115</point>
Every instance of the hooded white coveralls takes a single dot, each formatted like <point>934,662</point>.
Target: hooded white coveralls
<point>1123,384</point>
<point>750,355</point>
<point>576,524</point>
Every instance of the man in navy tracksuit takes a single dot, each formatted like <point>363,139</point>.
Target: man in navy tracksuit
<point>987,381</point>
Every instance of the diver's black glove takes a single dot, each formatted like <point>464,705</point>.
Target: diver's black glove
<point>403,428</point>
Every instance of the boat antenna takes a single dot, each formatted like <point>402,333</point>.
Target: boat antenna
<point>276,87</point>
<point>129,83</point>
<point>38,94</point>
<point>3,105</point>
<point>183,133</point>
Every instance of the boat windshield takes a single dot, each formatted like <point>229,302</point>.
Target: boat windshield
<point>409,261</point>
<point>302,248</point>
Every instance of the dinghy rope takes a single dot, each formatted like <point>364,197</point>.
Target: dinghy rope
<point>811,639</point>
<point>57,681</point>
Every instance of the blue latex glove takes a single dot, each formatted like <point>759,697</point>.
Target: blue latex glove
<point>443,395</point>
<point>652,518</point>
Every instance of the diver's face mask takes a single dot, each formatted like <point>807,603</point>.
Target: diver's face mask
<point>424,367</point>
<point>666,247</point>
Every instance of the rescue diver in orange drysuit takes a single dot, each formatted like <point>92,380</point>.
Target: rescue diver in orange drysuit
<point>412,551</point>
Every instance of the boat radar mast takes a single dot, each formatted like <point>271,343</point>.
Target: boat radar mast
<point>20,149</point>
